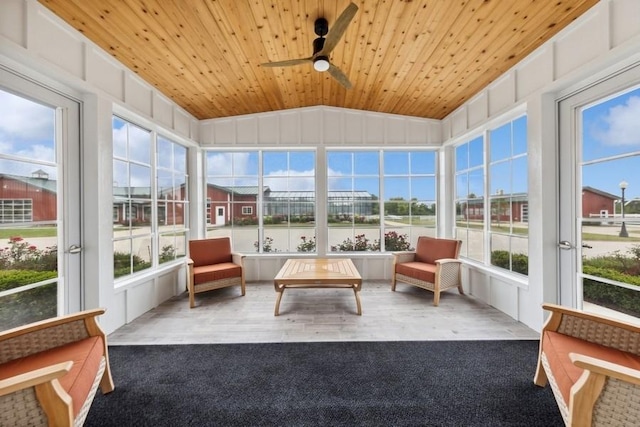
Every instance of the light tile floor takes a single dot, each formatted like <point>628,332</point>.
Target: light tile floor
<point>224,316</point>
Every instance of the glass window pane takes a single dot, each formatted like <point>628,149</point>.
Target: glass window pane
<point>397,189</point>
<point>519,178</point>
<point>423,188</point>
<point>500,178</point>
<point>462,157</point>
<point>140,181</point>
<point>476,183</point>
<point>164,153</point>
<point>462,186</point>
<point>245,164</point>
<point>275,163</point>
<point>302,162</point>
<point>366,163</point>
<point>139,144</point>
<point>520,136</point>
<point>340,183</point>
<point>27,129</point>
<point>396,163</point>
<point>339,163</point>
<point>423,162</point>
<point>29,306</point>
<point>366,188</point>
<point>120,137</point>
<point>613,127</point>
<point>500,142</point>
<point>219,164</point>
<point>476,152</point>
<point>180,158</point>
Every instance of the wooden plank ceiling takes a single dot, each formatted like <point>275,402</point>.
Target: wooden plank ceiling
<point>417,58</point>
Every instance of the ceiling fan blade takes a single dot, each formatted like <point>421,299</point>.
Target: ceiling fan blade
<point>341,77</point>
<point>287,63</point>
<point>338,29</point>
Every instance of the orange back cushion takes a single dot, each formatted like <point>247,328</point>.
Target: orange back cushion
<point>210,251</point>
<point>430,249</point>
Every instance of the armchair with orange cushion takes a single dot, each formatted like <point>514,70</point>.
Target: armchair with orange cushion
<point>212,265</point>
<point>50,370</point>
<point>434,266</point>
<point>592,363</point>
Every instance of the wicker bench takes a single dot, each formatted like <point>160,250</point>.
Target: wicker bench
<point>593,366</point>
<point>50,370</point>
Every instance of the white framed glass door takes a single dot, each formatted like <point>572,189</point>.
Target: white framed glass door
<point>599,215</point>
<point>40,215</point>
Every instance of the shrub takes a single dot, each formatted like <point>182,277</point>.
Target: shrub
<point>267,245</point>
<point>307,245</point>
<point>395,242</point>
<point>20,255</point>
<point>518,263</point>
<point>10,279</point>
<point>361,243</point>
<point>122,264</point>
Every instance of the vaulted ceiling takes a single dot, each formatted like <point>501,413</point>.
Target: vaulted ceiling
<point>417,58</point>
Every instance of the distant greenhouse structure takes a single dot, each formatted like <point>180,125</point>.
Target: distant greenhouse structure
<point>301,203</point>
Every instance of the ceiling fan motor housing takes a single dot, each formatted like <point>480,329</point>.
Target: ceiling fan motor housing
<point>321,27</point>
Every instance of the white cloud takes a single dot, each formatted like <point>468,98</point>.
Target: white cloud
<point>24,119</point>
<point>295,181</point>
<point>622,124</point>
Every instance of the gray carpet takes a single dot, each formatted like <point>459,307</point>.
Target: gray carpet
<point>407,383</point>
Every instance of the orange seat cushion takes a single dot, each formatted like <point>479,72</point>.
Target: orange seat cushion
<point>557,347</point>
<point>85,355</point>
<point>209,273</point>
<point>418,270</point>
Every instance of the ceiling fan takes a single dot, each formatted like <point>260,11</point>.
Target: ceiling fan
<point>322,46</point>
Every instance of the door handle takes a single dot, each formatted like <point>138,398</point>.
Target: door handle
<point>565,244</point>
<point>74,249</point>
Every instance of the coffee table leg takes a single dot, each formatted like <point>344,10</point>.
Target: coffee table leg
<point>355,291</point>
<point>280,292</point>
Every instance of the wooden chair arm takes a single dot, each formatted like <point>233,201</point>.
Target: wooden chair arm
<point>608,369</point>
<point>88,316</point>
<point>34,378</point>
<point>448,261</point>
<point>405,256</point>
<point>189,262</point>
<point>558,311</point>
<point>238,258</point>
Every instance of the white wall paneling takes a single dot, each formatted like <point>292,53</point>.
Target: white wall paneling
<point>320,126</point>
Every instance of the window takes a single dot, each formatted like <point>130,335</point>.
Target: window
<point>284,193</point>
<point>508,196</point>
<point>361,184</point>
<point>280,185</point>
<point>149,215</point>
<point>131,188</point>
<point>172,200</point>
<point>469,198</point>
<point>16,210</point>
<point>493,211</point>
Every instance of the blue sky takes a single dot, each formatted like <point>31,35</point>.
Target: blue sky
<point>610,132</point>
<point>346,171</point>
<point>26,133</point>
<point>611,144</point>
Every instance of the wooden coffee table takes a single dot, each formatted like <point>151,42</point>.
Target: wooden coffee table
<point>318,273</point>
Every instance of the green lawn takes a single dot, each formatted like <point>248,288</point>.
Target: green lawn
<point>608,238</point>
<point>26,233</point>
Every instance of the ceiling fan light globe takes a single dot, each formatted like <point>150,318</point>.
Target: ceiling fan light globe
<point>321,64</point>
